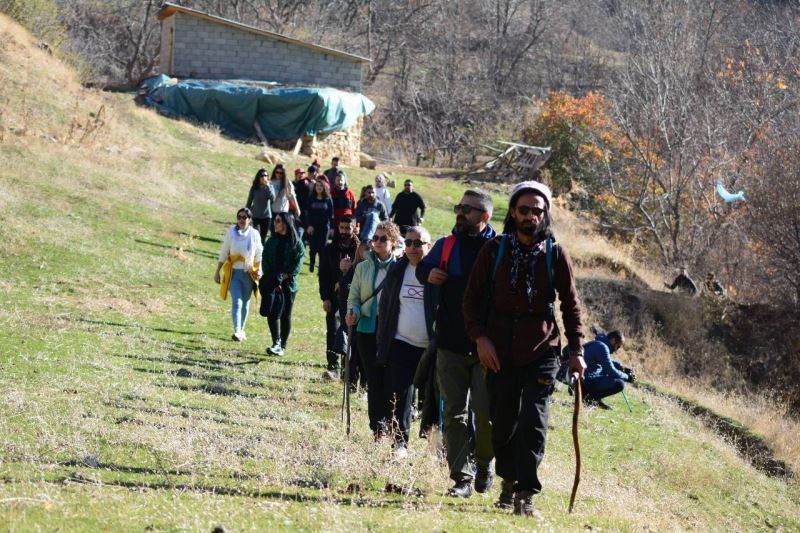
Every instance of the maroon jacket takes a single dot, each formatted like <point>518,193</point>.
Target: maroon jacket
<point>519,335</point>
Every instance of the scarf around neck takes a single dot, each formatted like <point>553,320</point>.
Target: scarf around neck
<point>523,259</point>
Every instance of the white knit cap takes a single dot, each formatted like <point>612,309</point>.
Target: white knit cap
<point>531,185</point>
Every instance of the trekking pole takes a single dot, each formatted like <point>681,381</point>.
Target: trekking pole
<point>625,396</point>
<point>347,375</point>
<point>576,380</point>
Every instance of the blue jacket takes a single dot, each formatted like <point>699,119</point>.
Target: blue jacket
<point>597,355</point>
<point>450,330</point>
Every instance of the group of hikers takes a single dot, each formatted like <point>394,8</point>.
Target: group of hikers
<point>467,322</point>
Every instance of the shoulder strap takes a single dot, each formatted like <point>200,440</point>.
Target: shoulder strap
<point>499,257</point>
<point>551,252</point>
<point>447,250</point>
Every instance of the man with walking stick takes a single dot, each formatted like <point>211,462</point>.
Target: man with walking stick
<point>509,312</point>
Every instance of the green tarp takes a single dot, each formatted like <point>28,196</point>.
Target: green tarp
<point>282,113</point>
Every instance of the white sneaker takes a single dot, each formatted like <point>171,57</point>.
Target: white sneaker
<point>275,349</point>
<point>237,336</point>
<point>399,453</point>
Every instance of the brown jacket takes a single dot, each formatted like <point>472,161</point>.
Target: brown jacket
<point>520,337</point>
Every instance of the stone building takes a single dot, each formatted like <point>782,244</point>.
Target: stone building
<point>198,45</point>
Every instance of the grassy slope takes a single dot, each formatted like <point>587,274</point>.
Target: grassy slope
<point>106,293</point>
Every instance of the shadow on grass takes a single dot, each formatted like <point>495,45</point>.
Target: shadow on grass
<point>208,363</point>
<point>195,251</point>
<point>184,373</point>
<point>198,237</point>
<point>211,388</point>
<point>137,326</point>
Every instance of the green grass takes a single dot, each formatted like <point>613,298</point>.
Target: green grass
<point>125,406</point>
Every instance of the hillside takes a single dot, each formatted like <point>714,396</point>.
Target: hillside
<point>126,406</point>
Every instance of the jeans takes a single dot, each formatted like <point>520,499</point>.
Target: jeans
<point>282,333</point>
<point>602,387</point>
<point>241,289</point>
<point>461,381</point>
<point>520,398</point>
<point>371,221</point>
<point>399,379</point>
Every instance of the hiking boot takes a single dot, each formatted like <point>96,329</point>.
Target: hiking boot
<point>331,375</point>
<point>462,489</point>
<point>484,478</point>
<point>523,504</point>
<point>506,499</point>
<point>603,405</point>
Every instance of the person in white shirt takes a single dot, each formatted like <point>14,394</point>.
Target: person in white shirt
<point>403,333</point>
<point>382,192</point>
<point>240,257</point>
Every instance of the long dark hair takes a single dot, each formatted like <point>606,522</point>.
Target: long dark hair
<point>257,180</point>
<point>291,229</point>
<point>542,232</point>
<point>326,192</point>
<point>285,179</point>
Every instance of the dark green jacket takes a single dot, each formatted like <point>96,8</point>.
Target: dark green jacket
<point>290,264</point>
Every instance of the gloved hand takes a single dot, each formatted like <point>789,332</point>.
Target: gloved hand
<point>631,375</point>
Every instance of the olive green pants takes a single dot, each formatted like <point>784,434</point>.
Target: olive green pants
<point>462,384</point>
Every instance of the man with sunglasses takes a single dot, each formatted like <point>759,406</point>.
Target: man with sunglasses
<point>509,313</point>
<point>405,207</point>
<point>459,373</point>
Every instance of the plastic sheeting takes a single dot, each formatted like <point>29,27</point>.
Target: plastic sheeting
<point>282,113</point>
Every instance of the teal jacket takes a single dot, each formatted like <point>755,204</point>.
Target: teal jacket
<point>292,258</point>
<point>362,287</point>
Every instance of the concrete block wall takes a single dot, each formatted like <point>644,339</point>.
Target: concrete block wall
<point>200,48</point>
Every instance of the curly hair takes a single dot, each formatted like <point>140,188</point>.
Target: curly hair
<point>390,229</point>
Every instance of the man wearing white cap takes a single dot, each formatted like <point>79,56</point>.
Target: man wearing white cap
<point>509,313</point>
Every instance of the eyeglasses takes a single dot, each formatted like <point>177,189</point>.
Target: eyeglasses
<point>466,209</point>
<point>242,217</point>
<point>525,210</point>
<point>380,238</point>
<point>416,242</point>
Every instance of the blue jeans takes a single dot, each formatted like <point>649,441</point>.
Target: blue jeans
<point>602,387</point>
<point>241,289</point>
<point>371,221</point>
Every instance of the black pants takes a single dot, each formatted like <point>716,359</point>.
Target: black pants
<point>263,226</point>
<point>282,333</point>
<point>399,379</point>
<point>519,408</point>
<point>376,390</point>
<point>331,326</point>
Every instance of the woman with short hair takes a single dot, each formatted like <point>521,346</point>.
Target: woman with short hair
<point>240,256</point>
<point>403,333</point>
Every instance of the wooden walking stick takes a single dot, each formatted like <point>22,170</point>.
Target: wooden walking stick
<point>576,380</point>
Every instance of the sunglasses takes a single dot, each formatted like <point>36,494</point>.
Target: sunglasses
<point>416,242</point>
<point>242,217</point>
<point>380,238</point>
<point>466,209</point>
<point>525,210</point>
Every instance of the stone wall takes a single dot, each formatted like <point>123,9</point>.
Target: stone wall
<point>193,47</point>
<point>345,143</point>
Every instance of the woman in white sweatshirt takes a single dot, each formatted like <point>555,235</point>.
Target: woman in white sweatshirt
<point>240,257</point>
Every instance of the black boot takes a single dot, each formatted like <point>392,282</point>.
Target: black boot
<point>484,478</point>
<point>462,489</point>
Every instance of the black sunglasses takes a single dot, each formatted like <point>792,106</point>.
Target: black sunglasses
<point>525,210</point>
<point>466,209</point>
<point>416,242</point>
<point>242,217</point>
<point>380,238</point>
